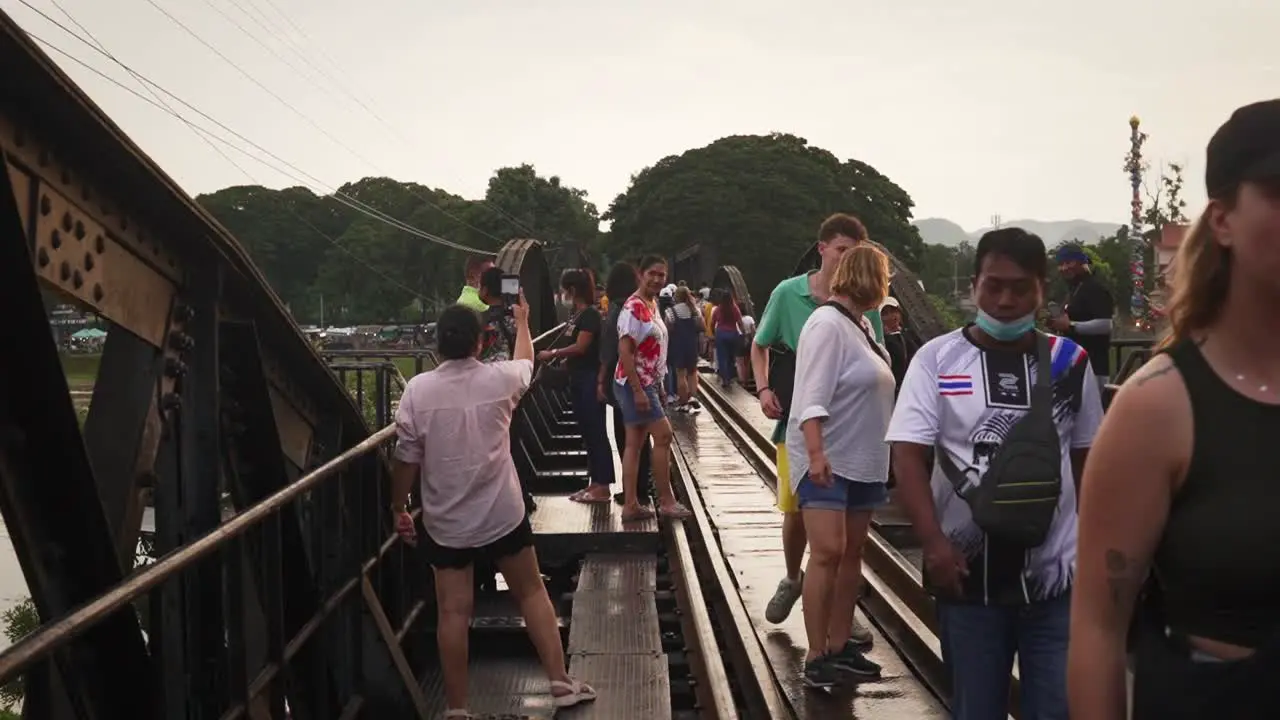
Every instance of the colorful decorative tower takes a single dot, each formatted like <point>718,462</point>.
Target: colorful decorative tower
<point>1139,306</point>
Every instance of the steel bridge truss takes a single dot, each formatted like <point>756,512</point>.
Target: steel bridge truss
<point>279,577</point>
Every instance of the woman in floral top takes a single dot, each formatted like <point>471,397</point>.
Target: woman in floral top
<point>642,354</point>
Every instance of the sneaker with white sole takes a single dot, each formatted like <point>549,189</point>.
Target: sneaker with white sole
<point>784,598</point>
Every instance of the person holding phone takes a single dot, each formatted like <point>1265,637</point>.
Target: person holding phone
<point>499,326</point>
<point>452,440</point>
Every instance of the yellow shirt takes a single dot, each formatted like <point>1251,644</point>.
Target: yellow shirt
<point>470,297</point>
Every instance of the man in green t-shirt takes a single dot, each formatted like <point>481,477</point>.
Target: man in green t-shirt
<point>789,307</point>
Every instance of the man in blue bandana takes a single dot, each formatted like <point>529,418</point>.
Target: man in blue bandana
<point>1087,310</point>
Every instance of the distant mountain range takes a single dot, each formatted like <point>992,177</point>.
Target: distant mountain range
<point>940,231</point>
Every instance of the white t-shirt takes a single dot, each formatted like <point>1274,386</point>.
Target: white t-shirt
<point>454,422</point>
<point>748,324</point>
<point>841,377</point>
<point>962,400</point>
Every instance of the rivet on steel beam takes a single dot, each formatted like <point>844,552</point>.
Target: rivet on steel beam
<point>88,262</point>
<point>181,341</point>
<point>65,271</point>
<point>77,280</point>
<point>98,294</point>
<point>174,368</point>
<point>171,402</point>
<point>67,222</point>
<point>79,230</point>
<point>183,312</point>
<point>55,239</point>
<point>46,206</point>
<point>66,176</point>
<point>42,257</point>
<point>99,245</point>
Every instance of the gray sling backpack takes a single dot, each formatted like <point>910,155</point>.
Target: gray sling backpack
<point>1016,499</point>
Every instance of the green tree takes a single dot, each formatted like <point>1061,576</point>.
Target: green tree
<point>319,251</point>
<point>19,621</point>
<point>757,201</point>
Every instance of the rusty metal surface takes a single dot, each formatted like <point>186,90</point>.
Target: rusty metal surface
<point>749,530</point>
<point>614,639</point>
<point>499,686</point>
<point>629,687</point>
<point>564,529</point>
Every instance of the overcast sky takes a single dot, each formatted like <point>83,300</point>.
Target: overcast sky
<point>975,108</point>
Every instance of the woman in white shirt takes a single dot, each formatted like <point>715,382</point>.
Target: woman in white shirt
<point>840,411</point>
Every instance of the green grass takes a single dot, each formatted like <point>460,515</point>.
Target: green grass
<point>81,370</point>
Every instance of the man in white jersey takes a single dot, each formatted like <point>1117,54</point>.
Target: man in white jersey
<point>962,393</point>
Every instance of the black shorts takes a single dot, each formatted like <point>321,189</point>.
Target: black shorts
<point>513,542</point>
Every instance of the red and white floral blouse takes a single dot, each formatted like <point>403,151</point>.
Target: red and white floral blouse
<point>639,321</point>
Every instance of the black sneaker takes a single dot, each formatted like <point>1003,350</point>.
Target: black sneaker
<point>821,673</point>
<point>851,660</point>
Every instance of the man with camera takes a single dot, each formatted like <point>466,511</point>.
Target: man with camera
<point>499,327</point>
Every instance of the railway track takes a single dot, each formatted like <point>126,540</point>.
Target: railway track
<point>894,597</point>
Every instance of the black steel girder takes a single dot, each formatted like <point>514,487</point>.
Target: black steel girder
<point>84,213</point>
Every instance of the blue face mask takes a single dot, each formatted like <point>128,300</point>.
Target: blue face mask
<point>1005,331</point>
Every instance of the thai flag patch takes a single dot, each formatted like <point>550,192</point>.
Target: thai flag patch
<point>955,384</point>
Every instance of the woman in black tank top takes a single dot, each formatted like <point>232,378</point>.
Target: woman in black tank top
<point>1180,505</point>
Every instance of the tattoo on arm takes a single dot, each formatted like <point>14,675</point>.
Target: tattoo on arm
<point>1118,575</point>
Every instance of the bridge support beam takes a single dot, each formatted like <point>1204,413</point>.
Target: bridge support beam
<point>48,493</point>
<point>525,257</point>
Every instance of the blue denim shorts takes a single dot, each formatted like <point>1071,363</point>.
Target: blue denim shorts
<point>844,494</point>
<point>627,404</point>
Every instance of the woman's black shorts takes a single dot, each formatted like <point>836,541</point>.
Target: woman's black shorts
<point>457,558</point>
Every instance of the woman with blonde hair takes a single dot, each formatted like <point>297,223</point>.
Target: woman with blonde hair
<point>840,410</point>
<point>1178,534</point>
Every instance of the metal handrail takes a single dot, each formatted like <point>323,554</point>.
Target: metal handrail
<point>48,638</point>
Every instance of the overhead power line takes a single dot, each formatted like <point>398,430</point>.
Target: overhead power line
<point>305,117</point>
<point>159,102</point>
<point>336,194</point>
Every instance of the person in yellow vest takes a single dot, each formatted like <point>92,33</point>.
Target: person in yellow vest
<point>470,295</point>
<point>708,307</point>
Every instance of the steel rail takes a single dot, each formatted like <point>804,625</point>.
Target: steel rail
<point>751,659</point>
<point>894,596</point>
<point>708,660</point>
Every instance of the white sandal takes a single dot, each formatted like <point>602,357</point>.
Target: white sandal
<point>579,692</point>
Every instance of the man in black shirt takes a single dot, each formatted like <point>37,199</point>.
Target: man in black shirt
<point>900,347</point>
<point>1087,310</point>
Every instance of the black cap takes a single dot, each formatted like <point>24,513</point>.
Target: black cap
<point>1246,147</point>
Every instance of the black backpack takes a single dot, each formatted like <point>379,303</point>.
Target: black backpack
<point>782,374</point>
<point>1017,498</point>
